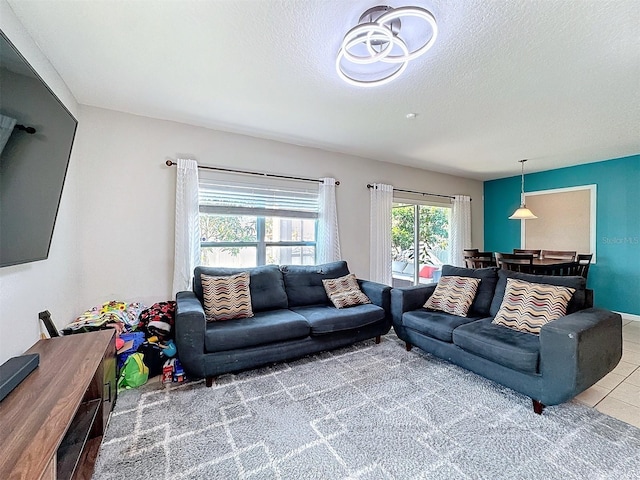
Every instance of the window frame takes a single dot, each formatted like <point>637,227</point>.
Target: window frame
<point>261,214</point>
<point>261,244</point>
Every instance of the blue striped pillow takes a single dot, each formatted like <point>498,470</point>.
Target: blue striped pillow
<point>226,297</point>
<point>453,295</point>
<point>528,306</point>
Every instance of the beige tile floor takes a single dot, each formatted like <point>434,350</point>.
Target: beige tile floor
<point>618,394</point>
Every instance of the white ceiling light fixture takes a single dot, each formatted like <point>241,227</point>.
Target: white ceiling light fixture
<point>373,53</point>
<point>522,213</point>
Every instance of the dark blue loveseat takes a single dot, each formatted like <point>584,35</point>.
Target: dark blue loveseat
<point>568,356</point>
<point>293,317</point>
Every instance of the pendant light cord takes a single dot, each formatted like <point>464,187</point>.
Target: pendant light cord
<point>522,182</point>
<point>522,213</point>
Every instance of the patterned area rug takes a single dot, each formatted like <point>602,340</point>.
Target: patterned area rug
<point>364,412</point>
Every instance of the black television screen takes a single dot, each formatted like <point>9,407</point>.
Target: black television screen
<point>36,136</point>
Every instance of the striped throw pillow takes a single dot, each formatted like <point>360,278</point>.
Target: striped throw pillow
<point>345,291</point>
<point>453,295</point>
<point>528,306</point>
<point>226,297</point>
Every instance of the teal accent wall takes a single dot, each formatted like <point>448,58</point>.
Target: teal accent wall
<point>615,278</point>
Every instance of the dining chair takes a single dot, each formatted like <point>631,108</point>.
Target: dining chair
<point>519,262</point>
<point>567,255</point>
<point>520,251</point>
<point>584,261</point>
<point>470,252</point>
<point>481,260</point>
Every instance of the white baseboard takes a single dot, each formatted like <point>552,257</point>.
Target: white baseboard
<point>630,316</point>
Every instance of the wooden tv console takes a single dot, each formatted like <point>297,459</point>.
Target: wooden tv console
<point>51,425</point>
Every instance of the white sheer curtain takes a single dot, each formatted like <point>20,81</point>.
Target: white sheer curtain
<point>187,239</point>
<point>6,128</point>
<point>328,238</point>
<point>460,228</point>
<point>381,255</point>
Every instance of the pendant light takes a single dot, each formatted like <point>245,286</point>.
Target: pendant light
<point>522,213</point>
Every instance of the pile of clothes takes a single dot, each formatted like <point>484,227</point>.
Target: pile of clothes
<point>124,317</point>
<point>144,339</point>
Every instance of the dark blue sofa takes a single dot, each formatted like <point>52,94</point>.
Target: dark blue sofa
<point>293,317</point>
<point>570,354</point>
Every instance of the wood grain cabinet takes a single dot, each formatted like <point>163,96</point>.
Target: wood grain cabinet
<point>52,424</point>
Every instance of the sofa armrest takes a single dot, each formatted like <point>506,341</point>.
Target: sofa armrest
<point>579,349</point>
<point>190,329</point>
<point>588,298</point>
<point>378,293</point>
<point>409,298</point>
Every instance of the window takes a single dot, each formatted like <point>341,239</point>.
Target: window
<point>246,225</point>
<point>432,224</point>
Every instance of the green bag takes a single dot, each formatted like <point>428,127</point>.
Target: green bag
<point>134,372</point>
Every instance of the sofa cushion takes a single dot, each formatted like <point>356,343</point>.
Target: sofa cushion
<point>266,285</point>
<point>528,306</point>
<point>502,345</point>
<point>327,319</point>
<point>438,325</point>
<point>576,303</point>
<point>264,327</point>
<point>453,295</point>
<point>398,266</point>
<point>426,271</point>
<point>488,280</point>
<point>303,283</point>
<point>226,297</point>
<point>345,292</point>
<point>408,269</point>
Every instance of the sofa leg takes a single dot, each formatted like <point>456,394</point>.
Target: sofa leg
<point>209,381</point>
<point>378,338</point>
<point>408,346</point>
<point>537,407</point>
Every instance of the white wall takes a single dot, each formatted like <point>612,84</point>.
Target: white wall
<point>127,196</point>
<point>50,284</point>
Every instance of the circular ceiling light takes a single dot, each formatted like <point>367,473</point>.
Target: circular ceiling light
<point>381,78</point>
<point>368,48</point>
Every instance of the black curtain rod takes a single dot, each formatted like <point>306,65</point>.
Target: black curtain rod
<point>418,193</point>
<point>171,163</point>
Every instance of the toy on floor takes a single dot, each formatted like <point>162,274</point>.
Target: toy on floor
<point>172,372</point>
<point>160,334</point>
<point>158,347</point>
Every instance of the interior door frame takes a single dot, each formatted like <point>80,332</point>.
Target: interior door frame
<point>592,213</point>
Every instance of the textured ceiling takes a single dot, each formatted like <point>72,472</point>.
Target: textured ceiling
<point>554,81</point>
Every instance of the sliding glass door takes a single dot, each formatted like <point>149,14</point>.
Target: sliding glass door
<point>420,242</point>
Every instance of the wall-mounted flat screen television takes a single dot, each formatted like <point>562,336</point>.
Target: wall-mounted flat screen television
<point>36,136</point>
